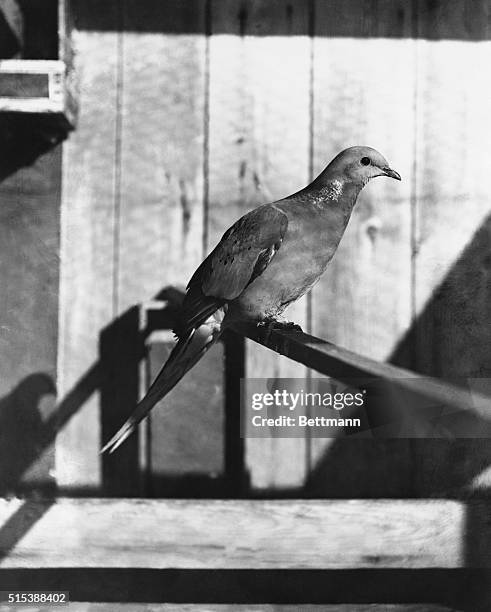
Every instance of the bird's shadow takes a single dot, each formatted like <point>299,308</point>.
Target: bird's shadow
<point>24,434</point>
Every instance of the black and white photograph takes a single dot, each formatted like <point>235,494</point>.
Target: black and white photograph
<point>245,305</point>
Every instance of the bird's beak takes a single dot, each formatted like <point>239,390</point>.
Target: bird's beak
<point>392,173</point>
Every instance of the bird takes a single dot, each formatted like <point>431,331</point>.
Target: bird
<point>265,261</point>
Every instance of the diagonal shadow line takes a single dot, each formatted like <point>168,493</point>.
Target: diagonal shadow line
<point>72,402</point>
<point>21,522</point>
<point>93,379</point>
<point>31,510</point>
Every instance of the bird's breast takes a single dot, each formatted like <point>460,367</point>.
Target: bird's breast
<point>309,244</point>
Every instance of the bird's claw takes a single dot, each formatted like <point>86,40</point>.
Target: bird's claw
<point>288,325</point>
<point>271,324</point>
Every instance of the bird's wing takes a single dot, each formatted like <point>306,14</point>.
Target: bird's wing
<point>242,255</point>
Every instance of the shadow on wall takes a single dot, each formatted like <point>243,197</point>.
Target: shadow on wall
<point>25,434</point>
<point>451,339</point>
<point>23,138</point>
<point>193,449</point>
<point>29,272</point>
<point>185,17</point>
<point>23,431</point>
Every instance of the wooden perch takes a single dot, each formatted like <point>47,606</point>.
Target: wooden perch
<point>346,366</point>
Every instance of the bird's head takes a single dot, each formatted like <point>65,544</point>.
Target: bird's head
<point>360,164</point>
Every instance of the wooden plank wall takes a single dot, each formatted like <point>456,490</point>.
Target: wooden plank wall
<point>258,152</point>
<point>161,214</point>
<point>193,113</point>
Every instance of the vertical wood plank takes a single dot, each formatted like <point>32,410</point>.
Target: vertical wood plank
<point>163,87</point>
<point>160,223</point>
<point>364,95</point>
<point>87,235</point>
<point>259,152</point>
<point>452,258</point>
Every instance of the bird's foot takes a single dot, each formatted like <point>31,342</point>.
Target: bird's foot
<point>288,325</point>
<point>271,323</point>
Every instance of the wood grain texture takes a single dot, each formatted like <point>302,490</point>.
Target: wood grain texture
<point>363,88</point>
<point>87,249</point>
<point>258,152</point>
<point>161,192</point>
<point>246,535</point>
<point>355,303</point>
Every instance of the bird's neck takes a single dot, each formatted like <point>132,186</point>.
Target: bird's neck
<point>333,193</point>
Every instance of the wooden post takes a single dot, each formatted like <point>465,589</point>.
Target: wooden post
<point>120,353</point>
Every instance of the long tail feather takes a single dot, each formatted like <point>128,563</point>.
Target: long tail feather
<point>183,357</point>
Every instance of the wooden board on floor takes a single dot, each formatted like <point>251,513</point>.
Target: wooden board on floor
<point>241,534</point>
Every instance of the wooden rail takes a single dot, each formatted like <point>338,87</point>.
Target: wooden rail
<point>242,534</point>
<point>346,366</point>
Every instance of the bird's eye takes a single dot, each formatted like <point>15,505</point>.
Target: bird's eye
<point>365,161</point>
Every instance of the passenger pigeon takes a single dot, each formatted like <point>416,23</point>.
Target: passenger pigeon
<point>268,259</point>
